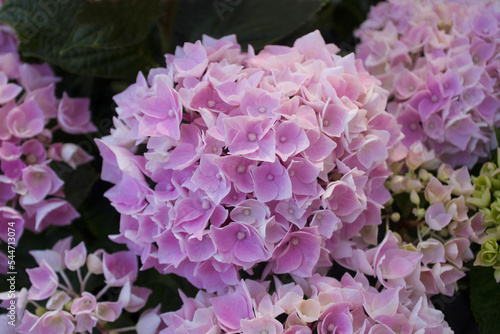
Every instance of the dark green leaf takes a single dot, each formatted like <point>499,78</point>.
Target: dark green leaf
<point>485,294</point>
<point>106,39</point>
<point>256,22</point>
<point>109,24</point>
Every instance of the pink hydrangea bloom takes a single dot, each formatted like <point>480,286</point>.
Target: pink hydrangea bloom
<point>445,224</point>
<point>250,158</point>
<point>439,60</point>
<point>60,308</point>
<point>350,305</point>
<point>31,193</point>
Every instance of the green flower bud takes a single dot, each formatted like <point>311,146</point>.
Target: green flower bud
<point>497,275</point>
<point>424,175</point>
<point>68,305</point>
<point>395,217</point>
<point>39,311</point>
<point>496,194</point>
<point>486,258</point>
<point>488,168</point>
<point>409,247</point>
<point>495,211</point>
<point>480,199</point>
<point>490,244</point>
<point>419,213</point>
<point>495,183</point>
<point>483,182</point>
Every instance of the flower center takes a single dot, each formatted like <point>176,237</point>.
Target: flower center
<point>291,211</point>
<point>211,103</point>
<point>241,235</point>
<point>38,175</point>
<point>262,110</point>
<point>206,205</point>
<point>282,139</point>
<point>31,159</point>
<point>270,177</point>
<point>326,122</point>
<point>294,241</point>
<point>241,169</point>
<point>434,98</point>
<point>476,59</point>
<point>171,113</point>
<point>247,212</point>
<point>291,172</point>
<point>413,126</point>
<point>252,136</point>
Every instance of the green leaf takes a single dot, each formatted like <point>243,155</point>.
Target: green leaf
<point>107,24</point>
<point>107,39</point>
<point>256,22</point>
<point>485,294</point>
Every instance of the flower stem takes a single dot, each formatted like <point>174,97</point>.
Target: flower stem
<point>68,283</point>
<point>103,290</point>
<point>84,282</point>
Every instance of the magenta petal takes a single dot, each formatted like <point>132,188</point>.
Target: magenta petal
<point>44,282</point>
<point>230,310</point>
<point>170,249</point>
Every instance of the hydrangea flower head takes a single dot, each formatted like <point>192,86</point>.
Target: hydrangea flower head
<point>31,190</point>
<point>53,305</point>
<point>439,60</point>
<point>320,304</point>
<point>248,158</point>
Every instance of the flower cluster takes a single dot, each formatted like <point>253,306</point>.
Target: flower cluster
<point>318,304</point>
<point>30,190</point>
<point>486,198</point>
<point>67,310</point>
<point>440,61</point>
<point>433,232</point>
<point>223,160</point>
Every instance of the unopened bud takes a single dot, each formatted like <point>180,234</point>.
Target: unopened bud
<point>424,175</point>
<point>395,217</point>
<point>414,198</point>
<point>68,305</point>
<point>94,263</point>
<point>420,213</point>
<point>39,311</point>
